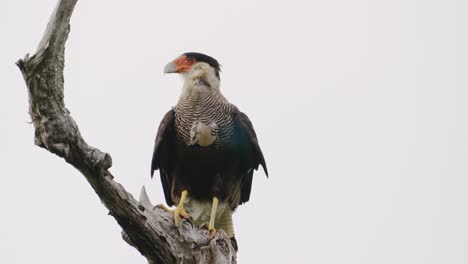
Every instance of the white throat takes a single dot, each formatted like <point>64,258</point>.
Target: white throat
<point>200,76</point>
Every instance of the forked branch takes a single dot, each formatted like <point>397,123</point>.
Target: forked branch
<point>150,231</point>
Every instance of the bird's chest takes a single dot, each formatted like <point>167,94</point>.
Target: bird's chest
<point>199,125</point>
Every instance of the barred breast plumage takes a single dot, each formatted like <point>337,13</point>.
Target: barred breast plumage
<point>206,105</point>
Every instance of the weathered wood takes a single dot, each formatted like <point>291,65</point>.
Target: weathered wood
<point>151,231</point>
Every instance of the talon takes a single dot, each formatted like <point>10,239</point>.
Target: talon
<point>180,212</point>
<point>212,231</point>
<point>184,214</point>
<point>162,206</point>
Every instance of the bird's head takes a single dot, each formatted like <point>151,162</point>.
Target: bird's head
<point>193,62</point>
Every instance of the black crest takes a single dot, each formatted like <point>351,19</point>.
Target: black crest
<point>205,58</point>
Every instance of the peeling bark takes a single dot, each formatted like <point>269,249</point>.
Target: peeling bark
<point>151,231</point>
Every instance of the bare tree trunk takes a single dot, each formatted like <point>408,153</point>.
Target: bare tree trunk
<point>151,231</point>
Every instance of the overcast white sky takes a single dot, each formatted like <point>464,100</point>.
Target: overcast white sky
<point>360,107</point>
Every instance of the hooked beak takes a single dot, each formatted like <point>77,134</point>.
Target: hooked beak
<point>171,67</point>
<point>181,64</point>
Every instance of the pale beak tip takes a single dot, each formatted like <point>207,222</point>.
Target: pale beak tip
<point>170,68</point>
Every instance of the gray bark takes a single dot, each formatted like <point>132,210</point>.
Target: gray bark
<point>151,231</point>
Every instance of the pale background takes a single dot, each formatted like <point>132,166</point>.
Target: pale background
<point>360,107</point>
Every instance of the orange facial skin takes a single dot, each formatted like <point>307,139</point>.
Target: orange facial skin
<point>183,63</point>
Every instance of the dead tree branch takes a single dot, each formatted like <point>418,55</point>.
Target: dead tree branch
<point>151,231</point>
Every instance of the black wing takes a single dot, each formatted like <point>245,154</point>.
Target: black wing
<point>163,153</point>
<point>251,155</point>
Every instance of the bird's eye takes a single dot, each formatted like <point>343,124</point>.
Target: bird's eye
<point>190,59</point>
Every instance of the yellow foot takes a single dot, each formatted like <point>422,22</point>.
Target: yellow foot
<point>180,212</point>
<point>212,231</point>
<point>162,206</point>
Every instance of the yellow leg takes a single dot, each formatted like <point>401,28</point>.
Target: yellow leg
<point>180,210</point>
<point>214,208</point>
